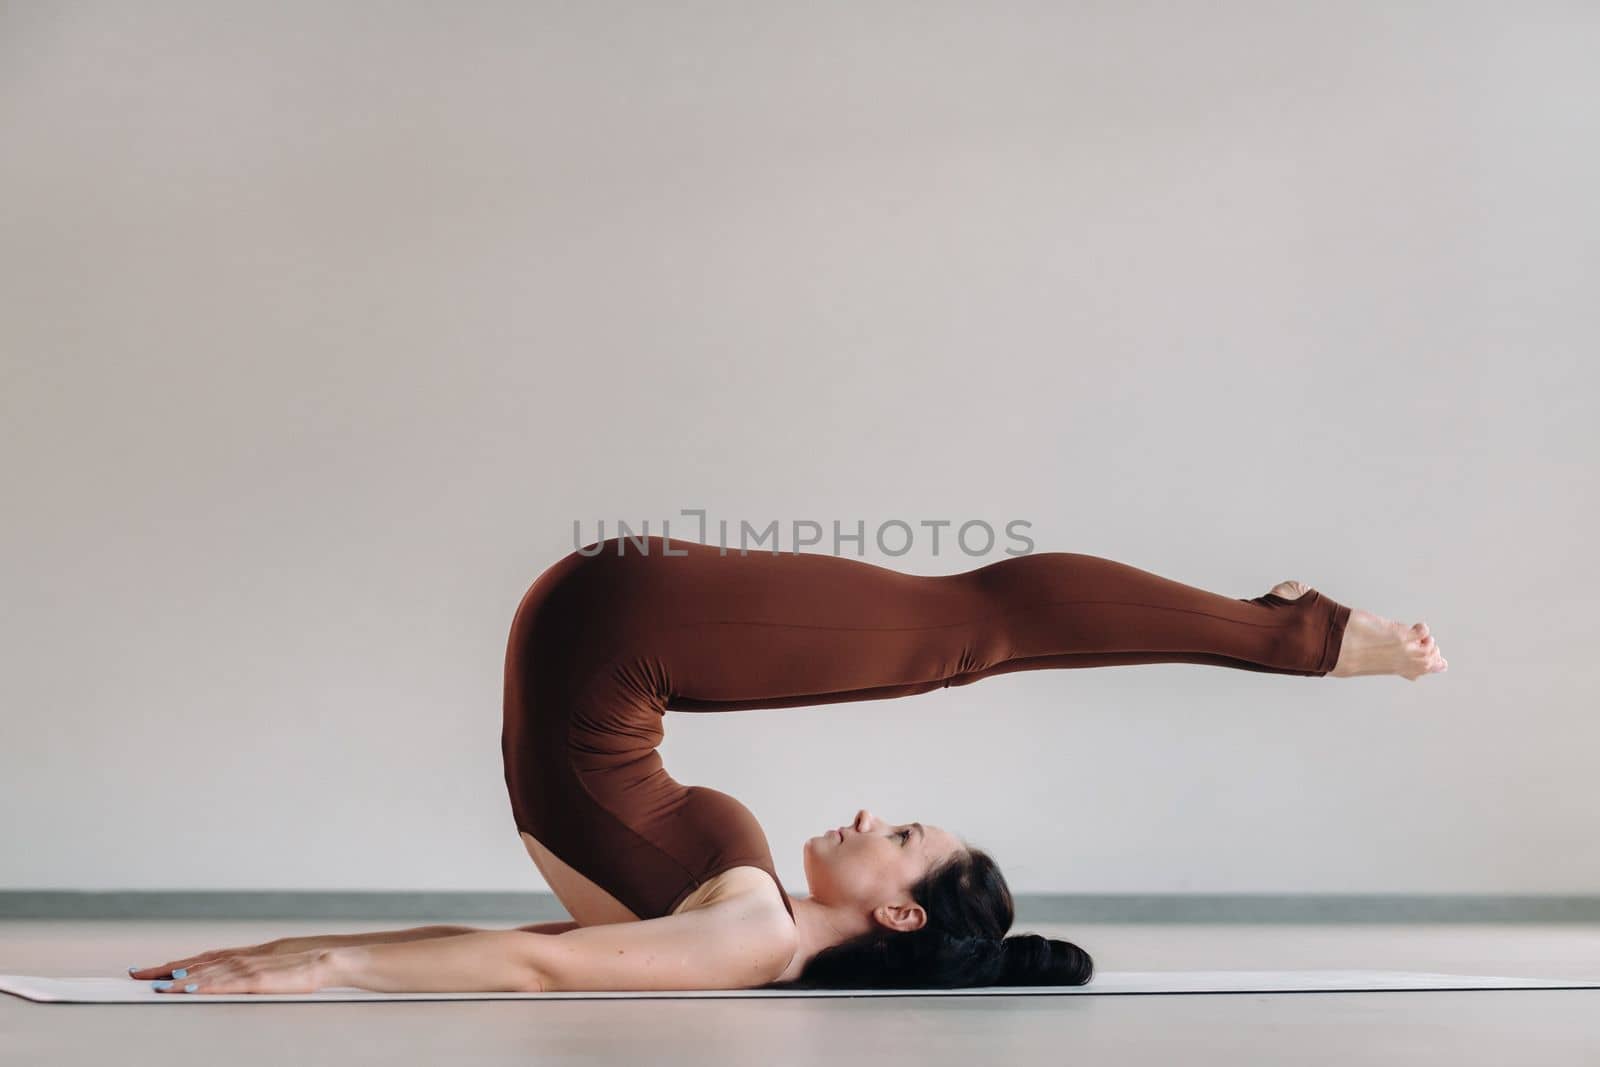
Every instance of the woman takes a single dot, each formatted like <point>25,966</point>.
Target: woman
<point>672,886</point>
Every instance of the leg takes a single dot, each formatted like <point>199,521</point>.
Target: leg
<point>765,631</point>
<point>1065,610</point>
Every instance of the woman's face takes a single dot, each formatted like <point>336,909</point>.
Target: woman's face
<point>868,862</point>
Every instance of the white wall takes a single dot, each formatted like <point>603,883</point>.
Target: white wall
<point>322,326</point>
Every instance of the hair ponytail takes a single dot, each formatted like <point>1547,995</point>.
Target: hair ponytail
<point>1032,959</point>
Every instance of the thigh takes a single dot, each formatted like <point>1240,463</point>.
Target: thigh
<point>767,630</point>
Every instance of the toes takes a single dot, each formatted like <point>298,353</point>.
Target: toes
<point>1421,629</point>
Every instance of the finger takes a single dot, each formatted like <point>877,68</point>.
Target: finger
<point>199,977</point>
<point>164,970</point>
<point>230,977</point>
<point>171,985</point>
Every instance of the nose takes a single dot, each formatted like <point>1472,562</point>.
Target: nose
<point>863,820</point>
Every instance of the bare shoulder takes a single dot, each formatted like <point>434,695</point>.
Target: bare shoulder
<point>752,887</point>
<point>748,898</point>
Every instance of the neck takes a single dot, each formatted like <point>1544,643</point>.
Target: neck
<point>821,926</point>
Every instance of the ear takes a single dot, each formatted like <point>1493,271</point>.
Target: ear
<point>902,918</point>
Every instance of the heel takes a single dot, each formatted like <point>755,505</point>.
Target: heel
<point>1319,623</point>
<point>1277,600</point>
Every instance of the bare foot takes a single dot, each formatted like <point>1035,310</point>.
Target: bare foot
<point>1375,645</point>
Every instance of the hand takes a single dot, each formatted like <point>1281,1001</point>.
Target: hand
<point>266,948</point>
<point>293,972</point>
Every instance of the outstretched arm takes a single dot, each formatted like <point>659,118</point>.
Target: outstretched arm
<point>305,964</point>
<point>737,943</point>
<point>491,961</point>
<point>375,937</point>
<point>485,961</point>
<point>415,933</point>
<point>290,946</point>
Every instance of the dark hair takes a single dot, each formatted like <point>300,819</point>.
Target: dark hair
<point>962,944</point>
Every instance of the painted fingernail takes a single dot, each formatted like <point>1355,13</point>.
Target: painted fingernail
<point>181,972</point>
<point>191,987</point>
<point>158,986</point>
<point>132,969</point>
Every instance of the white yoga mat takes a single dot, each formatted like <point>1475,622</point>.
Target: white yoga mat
<point>114,990</point>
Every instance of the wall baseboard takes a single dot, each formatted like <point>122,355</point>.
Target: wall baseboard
<point>1035,907</point>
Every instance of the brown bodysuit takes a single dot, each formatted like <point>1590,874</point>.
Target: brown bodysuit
<point>603,644</point>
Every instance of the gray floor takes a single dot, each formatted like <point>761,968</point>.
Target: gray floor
<point>1413,1028</point>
